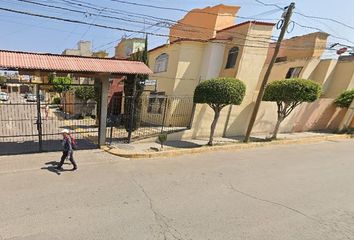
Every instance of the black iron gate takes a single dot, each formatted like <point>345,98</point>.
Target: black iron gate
<point>32,118</point>
<point>150,115</point>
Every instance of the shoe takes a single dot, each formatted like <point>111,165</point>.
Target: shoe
<point>59,168</point>
<point>74,168</point>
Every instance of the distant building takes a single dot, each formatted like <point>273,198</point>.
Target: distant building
<point>100,54</point>
<point>126,47</point>
<point>84,48</point>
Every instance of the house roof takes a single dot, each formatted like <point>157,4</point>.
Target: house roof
<point>177,41</point>
<point>202,40</point>
<point>64,63</point>
<point>247,22</point>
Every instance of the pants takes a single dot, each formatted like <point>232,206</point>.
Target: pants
<point>71,158</point>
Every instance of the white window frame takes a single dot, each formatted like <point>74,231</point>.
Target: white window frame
<point>161,63</point>
<point>295,72</point>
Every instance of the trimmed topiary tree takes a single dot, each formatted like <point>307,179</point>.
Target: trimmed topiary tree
<point>85,93</point>
<point>345,99</point>
<point>61,84</point>
<point>288,94</point>
<point>218,93</point>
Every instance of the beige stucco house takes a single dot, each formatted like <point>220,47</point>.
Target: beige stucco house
<point>211,45</point>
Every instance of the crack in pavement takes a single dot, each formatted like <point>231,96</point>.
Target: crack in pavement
<point>163,222</point>
<point>317,220</point>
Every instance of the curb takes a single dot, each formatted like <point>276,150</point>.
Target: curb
<point>229,147</point>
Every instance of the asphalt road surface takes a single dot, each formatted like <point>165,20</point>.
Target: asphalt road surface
<point>294,192</point>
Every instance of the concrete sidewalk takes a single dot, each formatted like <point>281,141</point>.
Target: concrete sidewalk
<point>45,161</point>
<point>295,192</point>
<point>145,149</point>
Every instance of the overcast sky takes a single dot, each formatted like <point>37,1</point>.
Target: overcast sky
<point>27,33</point>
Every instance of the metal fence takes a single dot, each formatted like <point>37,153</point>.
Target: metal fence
<point>132,119</point>
<point>33,122</point>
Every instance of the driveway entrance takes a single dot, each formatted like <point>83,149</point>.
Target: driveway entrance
<point>34,123</point>
<point>31,123</point>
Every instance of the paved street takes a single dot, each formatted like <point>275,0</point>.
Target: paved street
<point>288,192</point>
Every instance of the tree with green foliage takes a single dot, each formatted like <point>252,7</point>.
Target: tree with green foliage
<point>218,93</point>
<point>133,101</point>
<point>288,94</point>
<point>85,93</point>
<point>345,99</point>
<point>61,84</point>
<point>2,81</point>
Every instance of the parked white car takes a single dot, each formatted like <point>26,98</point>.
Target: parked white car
<point>31,98</point>
<point>4,96</point>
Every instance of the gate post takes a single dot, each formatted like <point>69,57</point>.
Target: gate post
<point>104,83</point>
<point>39,118</point>
<point>132,111</point>
<point>164,113</point>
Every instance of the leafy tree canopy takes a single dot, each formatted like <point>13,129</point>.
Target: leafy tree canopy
<point>345,99</point>
<point>220,92</point>
<point>85,93</point>
<point>292,90</point>
<point>61,84</point>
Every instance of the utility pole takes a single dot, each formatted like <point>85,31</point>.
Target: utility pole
<point>286,20</point>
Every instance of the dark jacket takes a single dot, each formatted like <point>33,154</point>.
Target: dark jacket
<point>67,147</point>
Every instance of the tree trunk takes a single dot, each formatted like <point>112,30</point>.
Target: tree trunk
<point>213,125</point>
<point>277,126</point>
<point>84,109</point>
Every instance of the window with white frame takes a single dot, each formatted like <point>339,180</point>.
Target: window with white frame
<point>161,63</point>
<point>293,72</point>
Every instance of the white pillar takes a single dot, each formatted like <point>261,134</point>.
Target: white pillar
<point>104,83</point>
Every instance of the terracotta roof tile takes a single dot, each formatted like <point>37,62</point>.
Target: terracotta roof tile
<point>65,63</point>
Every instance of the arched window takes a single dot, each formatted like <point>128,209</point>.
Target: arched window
<point>161,63</point>
<point>232,57</point>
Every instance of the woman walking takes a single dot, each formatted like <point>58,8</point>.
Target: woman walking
<point>68,150</point>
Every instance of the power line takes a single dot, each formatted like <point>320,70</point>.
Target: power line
<point>269,4</point>
<point>325,18</point>
<point>112,10</point>
<point>179,9</point>
<point>184,10</point>
<point>118,18</point>
<point>259,1</point>
<point>81,12</point>
<point>79,3</point>
<point>130,20</point>
<point>319,29</point>
<point>313,17</point>
<point>127,30</point>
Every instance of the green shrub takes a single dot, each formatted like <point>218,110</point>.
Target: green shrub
<point>345,99</point>
<point>56,100</point>
<point>218,93</point>
<point>162,138</point>
<point>288,94</point>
